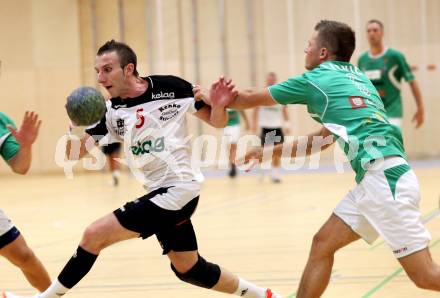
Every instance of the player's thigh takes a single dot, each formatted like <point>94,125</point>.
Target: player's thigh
<point>420,266</point>
<point>164,212</point>
<point>107,230</point>
<point>333,235</point>
<point>391,205</point>
<point>17,251</point>
<point>348,212</point>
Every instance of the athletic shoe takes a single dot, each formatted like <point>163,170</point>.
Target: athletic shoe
<point>276,180</point>
<point>115,181</point>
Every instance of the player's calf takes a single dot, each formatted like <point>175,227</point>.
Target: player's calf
<point>211,276</point>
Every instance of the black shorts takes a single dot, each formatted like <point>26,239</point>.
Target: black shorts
<point>274,136</point>
<point>173,228</point>
<point>111,148</point>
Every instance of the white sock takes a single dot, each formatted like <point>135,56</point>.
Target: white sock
<point>275,172</point>
<point>116,173</point>
<point>264,172</point>
<point>55,290</point>
<point>249,290</point>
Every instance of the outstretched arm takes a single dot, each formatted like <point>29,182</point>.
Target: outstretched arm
<point>25,136</point>
<point>419,116</point>
<point>316,142</point>
<point>247,100</point>
<point>217,97</point>
<point>238,100</point>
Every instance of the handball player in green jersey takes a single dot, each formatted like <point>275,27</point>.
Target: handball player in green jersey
<point>385,199</point>
<point>386,67</point>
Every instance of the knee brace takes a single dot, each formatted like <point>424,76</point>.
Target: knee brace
<point>202,274</point>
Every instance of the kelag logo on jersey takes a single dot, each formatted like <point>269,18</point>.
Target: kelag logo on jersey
<point>357,102</point>
<point>156,145</point>
<point>169,95</point>
<point>169,111</point>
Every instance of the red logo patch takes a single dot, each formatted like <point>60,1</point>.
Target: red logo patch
<point>357,102</point>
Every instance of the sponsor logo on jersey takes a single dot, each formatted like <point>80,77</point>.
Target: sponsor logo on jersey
<point>169,111</point>
<point>155,145</point>
<point>120,127</point>
<point>374,74</point>
<point>357,102</point>
<point>161,95</point>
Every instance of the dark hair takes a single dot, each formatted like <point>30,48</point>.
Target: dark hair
<point>338,38</point>
<point>125,53</point>
<point>372,21</point>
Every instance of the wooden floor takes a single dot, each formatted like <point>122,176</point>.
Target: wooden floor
<point>259,230</point>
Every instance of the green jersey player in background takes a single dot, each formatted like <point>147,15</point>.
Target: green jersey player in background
<point>386,67</point>
<point>385,200</point>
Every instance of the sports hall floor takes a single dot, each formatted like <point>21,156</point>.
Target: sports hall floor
<point>259,230</point>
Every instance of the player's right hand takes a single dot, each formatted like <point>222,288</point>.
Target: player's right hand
<point>419,117</point>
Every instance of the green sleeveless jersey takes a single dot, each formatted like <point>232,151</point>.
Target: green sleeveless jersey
<point>233,117</point>
<point>8,145</point>
<point>340,97</point>
<point>386,72</point>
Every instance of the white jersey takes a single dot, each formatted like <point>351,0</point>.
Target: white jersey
<point>270,117</point>
<point>153,129</point>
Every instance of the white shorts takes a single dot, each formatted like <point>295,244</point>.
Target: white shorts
<point>386,203</point>
<point>233,133</point>
<point>396,121</point>
<point>5,223</point>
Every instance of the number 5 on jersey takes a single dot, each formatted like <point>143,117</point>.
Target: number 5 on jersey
<point>140,118</point>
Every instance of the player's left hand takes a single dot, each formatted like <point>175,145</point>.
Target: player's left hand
<point>419,117</point>
<point>28,131</point>
<point>222,92</point>
<point>252,158</point>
